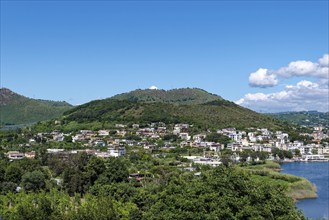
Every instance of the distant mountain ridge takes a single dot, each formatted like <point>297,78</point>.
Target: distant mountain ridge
<point>17,109</point>
<point>304,118</point>
<point>188,96</point>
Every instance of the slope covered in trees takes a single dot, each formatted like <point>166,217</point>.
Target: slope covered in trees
<point>17,109</point>
<point>187,96</point>
<point>215,114</point>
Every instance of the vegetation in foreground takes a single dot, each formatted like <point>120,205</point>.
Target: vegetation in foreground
<point>83,187</point>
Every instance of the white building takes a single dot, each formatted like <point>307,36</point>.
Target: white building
<point>117,152</point>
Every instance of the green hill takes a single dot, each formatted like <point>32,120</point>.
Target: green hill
<point>214,114</point>
<point>304,118</point>
<point>17,109</point>
<point>187,96</point>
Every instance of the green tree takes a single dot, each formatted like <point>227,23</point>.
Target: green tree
<point>297,153</point>
<point>6,187</point>
<point>68,139</point>
<point>94,169</point>
<point>33,181</point>
<point>281,154</point>
<point>73,181</point>
<point>262,155</point>
<point>42,155</point>
<point>226,159</point>
<point>29,165</point>
<point>13,173</point>
<point>3,166</point>
<point>275,151</point>
<point>170,137</point>
<point>288,154</point>
<point>56,164</point>
<point>244,155</point>
<point>116,170</point>
<point>218,138</point>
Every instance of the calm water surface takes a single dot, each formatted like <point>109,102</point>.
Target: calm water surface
<point>318,174</point>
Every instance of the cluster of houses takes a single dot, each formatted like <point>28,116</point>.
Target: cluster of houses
<point>111,152</point>
<point>115,140</point>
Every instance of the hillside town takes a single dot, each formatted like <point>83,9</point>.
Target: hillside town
<point>240,145</point>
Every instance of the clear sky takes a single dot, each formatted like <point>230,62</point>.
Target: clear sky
<point>266,55</point>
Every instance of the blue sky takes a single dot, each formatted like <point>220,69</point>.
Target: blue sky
<point>79,51</point>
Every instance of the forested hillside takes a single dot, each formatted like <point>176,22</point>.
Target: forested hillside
<point>304,118</point>
<point>17,109</point>
<point>215,114</point>
<point>187,96</point>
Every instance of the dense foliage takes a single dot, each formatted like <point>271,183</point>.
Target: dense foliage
<point>218,138</point>
<point>175,96</point>
<point>218,114</point>
<point>94,188</point>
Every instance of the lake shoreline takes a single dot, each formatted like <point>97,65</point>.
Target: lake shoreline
<point>302,190</point>
<point>298,188</point>
<point>318,174</point>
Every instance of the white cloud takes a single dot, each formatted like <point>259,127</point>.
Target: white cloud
<point>153,88</point>
<point>305,95</point>
<point>303,68</point>
<point>324,61</point>
<point>298,68</point>
<point>268,78</point>
<point>262,78</point>
<point>306,84</point>
<point>256,96</point>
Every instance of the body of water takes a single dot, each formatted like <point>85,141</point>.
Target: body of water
<point>318,174</point>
